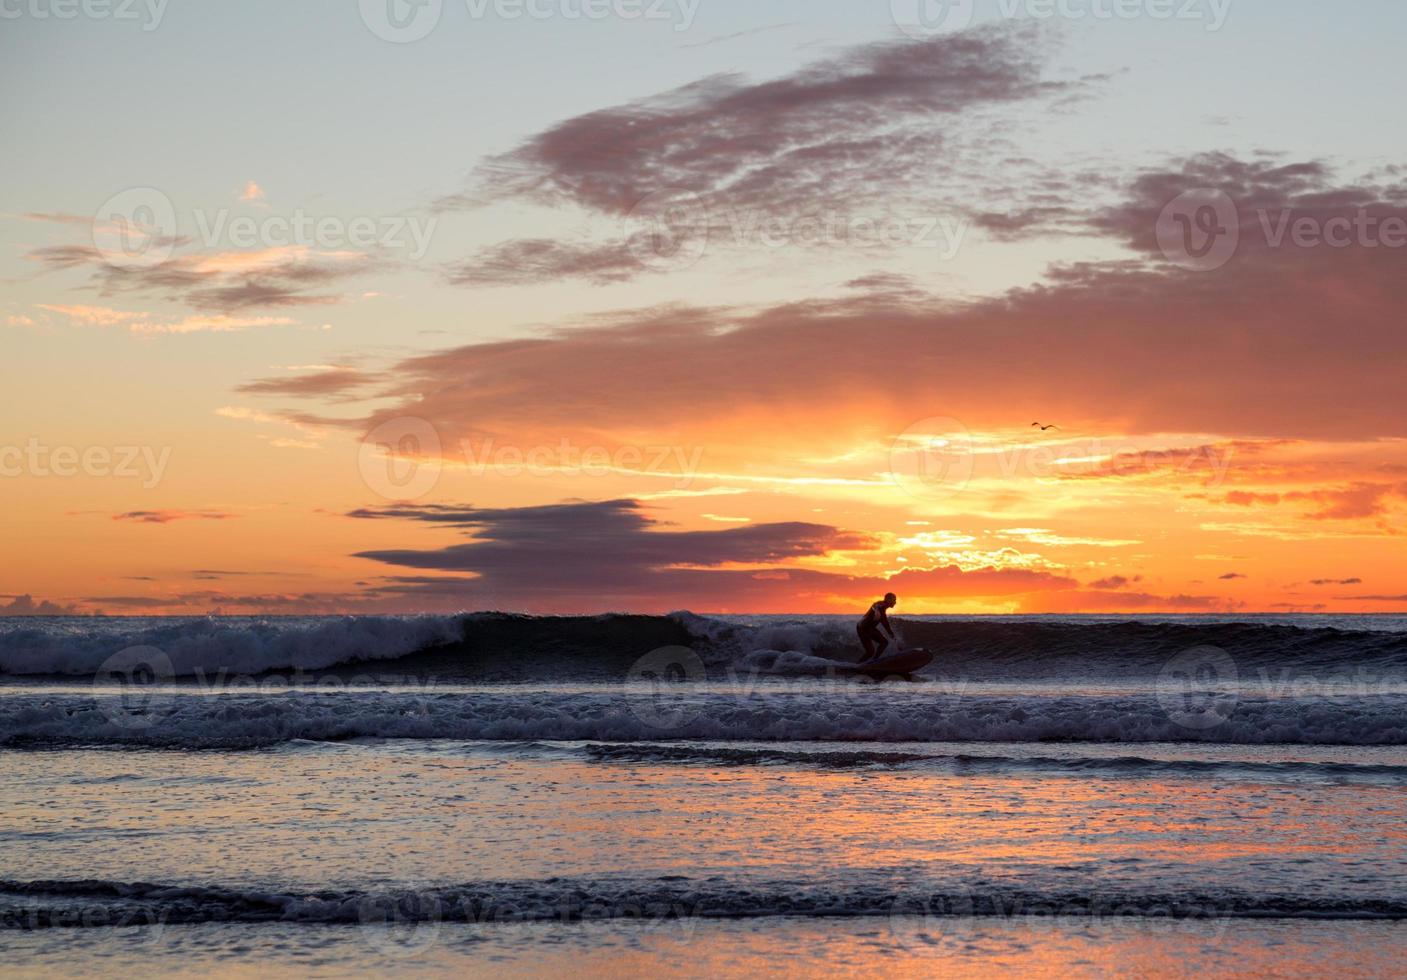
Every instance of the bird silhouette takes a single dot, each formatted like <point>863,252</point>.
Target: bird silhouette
<point>1044,428</point>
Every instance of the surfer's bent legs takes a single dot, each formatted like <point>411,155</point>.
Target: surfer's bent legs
<point>874,642</point>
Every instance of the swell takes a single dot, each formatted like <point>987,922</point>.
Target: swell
<point>103,904</point>
<point>997,649</point>
<point>633,715</point>
<point>711,755</point>
<point>1013,649</point>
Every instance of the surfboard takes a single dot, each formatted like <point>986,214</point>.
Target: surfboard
<point>903,662</point>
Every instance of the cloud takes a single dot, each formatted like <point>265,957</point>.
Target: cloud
<point>24,605</point>
<point>220,282</point>
<point>100,316</point>
<point>325,382</point>
<point>1090,601</point>
<point>270,603</point>
<point>721,38</point>
<point>60,218</point>
<point>1244,498</point>
<point>952,581</point>
<point>1043,536</point>
<point>890,283</point>
<point>1209,460</point>
<point>148,323</point>
<point>1124,346</point>
<point>1350,503</point>
<point>168,516</point>
<point>1014,225</point>
<point>134,602</point>
<point>857,130</point>
<point>614,533</point>
<point>829,128</point>
<point>612,554</point>
<point>1231,576</point>
<point>530,260</point>
<point>1337,581</point>
<point>1265,194</point>
<point>1353,502</point>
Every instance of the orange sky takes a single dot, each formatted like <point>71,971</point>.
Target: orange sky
<point>628,376</point>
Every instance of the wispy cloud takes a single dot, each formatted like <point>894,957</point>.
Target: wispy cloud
<point>220,282</point>
<point>148,323</point>
<point>319,383</point>
<point>169,516</point>
<point>859,129</point>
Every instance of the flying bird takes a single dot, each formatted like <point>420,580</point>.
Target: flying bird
<point>1044,428</point>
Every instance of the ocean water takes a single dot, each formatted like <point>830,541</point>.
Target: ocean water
<point>710,796</point>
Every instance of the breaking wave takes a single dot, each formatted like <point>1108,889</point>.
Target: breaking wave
<point>992,648</point>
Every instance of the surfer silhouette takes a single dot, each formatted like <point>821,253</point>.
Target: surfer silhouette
<point>873,627</point>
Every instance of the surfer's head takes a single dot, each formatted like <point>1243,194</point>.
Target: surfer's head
<point>891,600</point>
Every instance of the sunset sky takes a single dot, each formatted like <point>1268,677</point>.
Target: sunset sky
<point>728,306</point>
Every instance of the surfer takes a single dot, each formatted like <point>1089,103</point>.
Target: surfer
<point>870,628</point>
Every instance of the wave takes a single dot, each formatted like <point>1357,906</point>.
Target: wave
<point>716,755</point>
<point>1132,648</point>
<point>186,647</point>
<point>872,714</point>
<point>1000,649</point>
<point>507,646</point>
<point>104,904</point>
<point>236,646</point>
